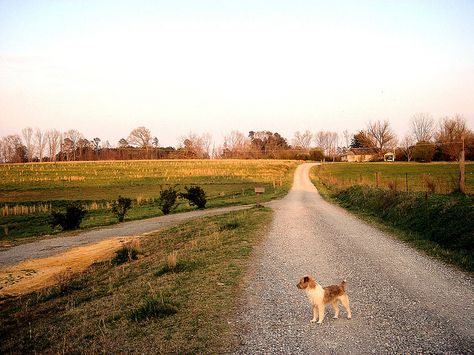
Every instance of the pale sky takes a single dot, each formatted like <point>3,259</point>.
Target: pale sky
<point>106,67</point>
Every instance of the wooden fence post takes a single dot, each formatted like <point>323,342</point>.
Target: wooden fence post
<point>462,187</point>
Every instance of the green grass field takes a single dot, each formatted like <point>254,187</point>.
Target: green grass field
<point>29,192</point>
<point>443,177</point>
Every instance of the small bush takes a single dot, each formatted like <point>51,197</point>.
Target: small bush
<point>120,207</point>
<point>154,307</point>
<point>316,154</point>
<point>128,252</point>
<point>195,195</point>
<point>167,199</point>
<point>69,220</point>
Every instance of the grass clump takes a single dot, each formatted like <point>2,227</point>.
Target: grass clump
<point>153,307</point>
<point>179,266</point>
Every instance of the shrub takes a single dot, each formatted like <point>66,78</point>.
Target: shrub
<point>167,199</point>
<point>120,207</point>
<point>316,154</point>
<point>128,252</point>
<point>69,220</point>
<point>423,151</point>
<point>195,195</point>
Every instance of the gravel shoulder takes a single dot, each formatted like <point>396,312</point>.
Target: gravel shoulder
<point>401,300</point>
<point>48,247</point>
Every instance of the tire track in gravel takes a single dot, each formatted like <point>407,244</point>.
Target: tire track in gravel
<point>401,301</point>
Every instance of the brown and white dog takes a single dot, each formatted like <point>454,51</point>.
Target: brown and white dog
<point>320,297</point>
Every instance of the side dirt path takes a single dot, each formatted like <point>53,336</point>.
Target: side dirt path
<point>34,266</point>
<point>401,300</point>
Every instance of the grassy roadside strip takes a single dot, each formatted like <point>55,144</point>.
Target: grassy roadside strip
<point>177,297</point>
<point>440,225</point>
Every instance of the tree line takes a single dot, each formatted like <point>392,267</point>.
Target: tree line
<point>425,140</point>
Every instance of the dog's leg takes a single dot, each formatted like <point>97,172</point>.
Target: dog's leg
<point>336,309</point>
<point>321,309</point>
<point>345,303</point>
<point>315,314</point>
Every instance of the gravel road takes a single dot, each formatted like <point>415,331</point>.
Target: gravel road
<point>47,247</point>
<point>401,300</point>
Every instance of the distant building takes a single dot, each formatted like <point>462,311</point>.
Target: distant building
<point>359,155</point>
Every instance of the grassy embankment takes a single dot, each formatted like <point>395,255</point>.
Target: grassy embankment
<point>144,305</point>
<point>431,216</point>
<point>29,192</point>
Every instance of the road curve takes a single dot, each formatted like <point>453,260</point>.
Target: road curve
<point>47,247</point>
<point>401,301</point>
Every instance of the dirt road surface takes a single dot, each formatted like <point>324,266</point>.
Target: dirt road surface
<point>401,300</point>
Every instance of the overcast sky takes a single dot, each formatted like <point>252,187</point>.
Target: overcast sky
<point>106,67</point>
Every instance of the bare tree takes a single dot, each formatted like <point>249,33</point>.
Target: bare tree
<point>27,134</point>
<point>327,141</point>
<point>140,137</point>
<point>195,146</point>
<point>236,145</point>
<point>382,134</point>
<point>333,142</point>
<point>40,142</point>
<point>12,150</point>
<point>206,141</point>
<point>451,131</point>
<point>347,138</point>
<point>73,136</point>
<point>53,139</point>
<point>321,140</point>
<point>407,145</point>
<point>123,143</point>
<point>302,140</point>
<point>422,126</point>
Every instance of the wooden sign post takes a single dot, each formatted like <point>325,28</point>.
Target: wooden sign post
<point>258,191</point>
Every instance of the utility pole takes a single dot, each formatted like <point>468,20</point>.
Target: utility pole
<point>461,168</point>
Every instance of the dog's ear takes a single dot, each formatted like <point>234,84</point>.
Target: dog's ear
<point>311,283</point>
<point>306,279</point>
